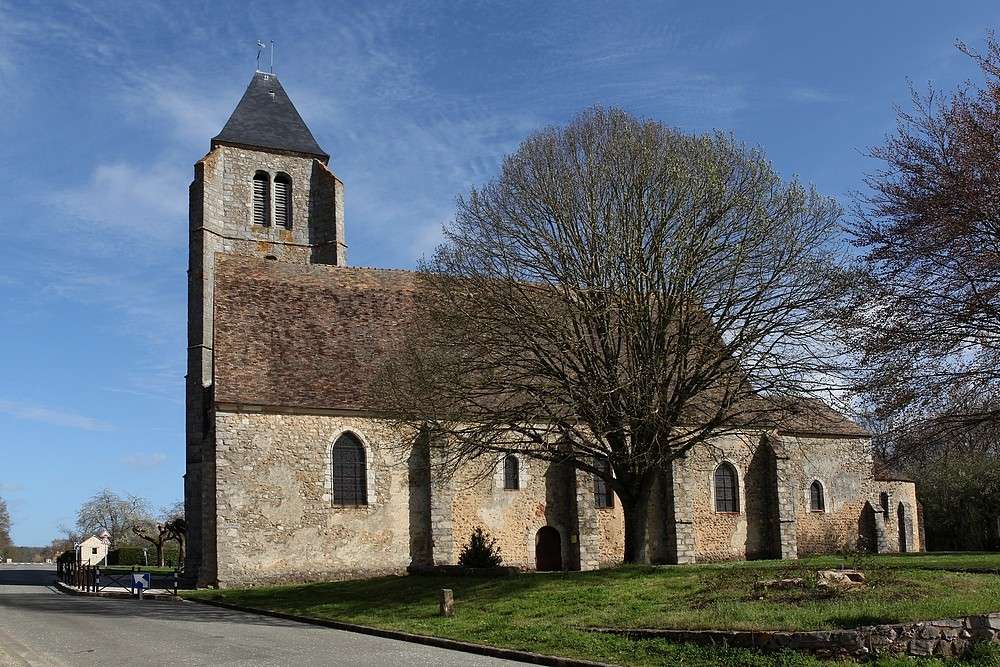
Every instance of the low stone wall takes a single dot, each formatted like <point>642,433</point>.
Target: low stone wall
<point>945,638</point>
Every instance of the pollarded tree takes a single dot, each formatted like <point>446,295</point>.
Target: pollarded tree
<point>621,292</point>
<point>927,316</point>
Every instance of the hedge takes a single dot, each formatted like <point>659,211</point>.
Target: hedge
<point>134,556</point>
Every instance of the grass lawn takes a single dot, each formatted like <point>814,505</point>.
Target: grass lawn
<point>548,613</point>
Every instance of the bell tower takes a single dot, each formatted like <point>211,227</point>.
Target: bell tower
<point>263,190</point>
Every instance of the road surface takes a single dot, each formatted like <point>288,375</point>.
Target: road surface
<point>39,626</point>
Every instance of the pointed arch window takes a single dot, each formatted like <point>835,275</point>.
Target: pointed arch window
<point>283,201</point>
<point>350,472</point>
<point>261,199</point>
<point>817,501</point>
<point>727,497</point>
<point>511,473</point>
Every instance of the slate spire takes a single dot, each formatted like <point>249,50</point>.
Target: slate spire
<point>266,118</point>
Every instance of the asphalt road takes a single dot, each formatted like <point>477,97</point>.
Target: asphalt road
<point>39,626</point>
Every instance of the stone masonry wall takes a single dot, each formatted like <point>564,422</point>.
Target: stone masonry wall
<point>275,518</point>
<point>317,207</point>
<point>786,527</point>
<point>900,493</point>
<point>549,495</point>
<point>844,469</point>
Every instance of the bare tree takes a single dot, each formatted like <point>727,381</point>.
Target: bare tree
<point>926,316</point>
<point>621,292</point>
<point>5,541</point>
<point>108,511</point>
<point>170,525</point>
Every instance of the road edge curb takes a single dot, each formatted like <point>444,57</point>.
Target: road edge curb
<point>426,640</point>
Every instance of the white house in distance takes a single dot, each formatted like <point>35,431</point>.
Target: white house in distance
<point>93,550</point>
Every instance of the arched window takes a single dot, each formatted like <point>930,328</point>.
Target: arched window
<point>350,472</point>
<point>604,495</point>
<point>883,499</point>
<point>727,497</point>
<point>283,201</point>
<point>816,501</point>
<point>511,473</point>
<point>261,200</point>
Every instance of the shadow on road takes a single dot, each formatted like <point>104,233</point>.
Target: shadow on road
<point>161,610</point>
<point>14,575</point>
<point>17,592</point>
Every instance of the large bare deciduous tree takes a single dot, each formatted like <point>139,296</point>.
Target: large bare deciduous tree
<point>621,292</point>
<point>927,315</point>
<point>106,510</point>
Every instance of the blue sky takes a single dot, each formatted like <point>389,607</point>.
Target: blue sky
<point>106,107</point>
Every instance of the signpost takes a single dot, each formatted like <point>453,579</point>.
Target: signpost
<point>141,581</point>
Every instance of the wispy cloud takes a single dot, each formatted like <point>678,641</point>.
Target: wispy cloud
<point>51,416</point>
<point>145,460</point>
<point>11,487</point>
<point>147,203</point>
<point>810,95</point>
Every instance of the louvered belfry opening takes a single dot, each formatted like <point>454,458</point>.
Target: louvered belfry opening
<point>260,199</point>
<point>283,201</point>
<point>350,484</point>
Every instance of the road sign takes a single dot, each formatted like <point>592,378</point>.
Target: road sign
<point>141,580</point>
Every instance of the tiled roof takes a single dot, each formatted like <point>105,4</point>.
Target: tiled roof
<point>813,416</point>
<point>266,118</point>
<point>304,336</point>
<point>314,336</point>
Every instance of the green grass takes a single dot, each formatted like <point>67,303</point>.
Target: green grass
<point>548,613</point>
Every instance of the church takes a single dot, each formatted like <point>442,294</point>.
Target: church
<point>293,474</point>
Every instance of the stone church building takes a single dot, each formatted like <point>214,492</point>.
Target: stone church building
<point>292,474</point>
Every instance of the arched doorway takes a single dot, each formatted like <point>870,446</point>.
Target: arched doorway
<point>901,527</point>
<point>548,549</point>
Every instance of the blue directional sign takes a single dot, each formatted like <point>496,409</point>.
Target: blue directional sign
<point>141,580</point>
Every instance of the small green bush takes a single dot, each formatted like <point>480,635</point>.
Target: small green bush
<point>481,551</point>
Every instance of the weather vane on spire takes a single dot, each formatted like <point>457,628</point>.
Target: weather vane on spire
<point>260,48</point>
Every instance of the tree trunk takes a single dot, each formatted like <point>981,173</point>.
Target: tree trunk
<point>159,554</point>
<point>636,510</point>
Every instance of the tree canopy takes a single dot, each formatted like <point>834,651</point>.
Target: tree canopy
<point>926,316</point>
<point>620,292</point>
